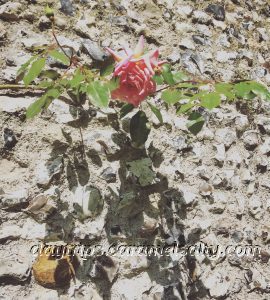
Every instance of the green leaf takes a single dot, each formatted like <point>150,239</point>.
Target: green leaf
<point>225,89</point>
<point>171,96</point>
<point>260,90</point>
<point>158,79</point>
<point>167,74</point>
<point>195,123</point>
<point>36,107</point>
<point>25,65</point>
<point>185,107</point>
<point>60,56</point>
<point>125,109</point>
<point>180,76</point>
<point>139,129</point>
<point>35,69</point>
<point>210,100</point>
<point>107,70</point>
<point>77,79</point>
<point>156,111</point>
<point>45,84</point>
<point>243,90</point>
<point>99,94</point>
<point>52,74</point>
<point>42,102</point>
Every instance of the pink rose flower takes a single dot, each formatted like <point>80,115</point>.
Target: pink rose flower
<point>135,72</point>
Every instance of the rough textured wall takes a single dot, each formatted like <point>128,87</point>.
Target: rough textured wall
<point>212,188</point>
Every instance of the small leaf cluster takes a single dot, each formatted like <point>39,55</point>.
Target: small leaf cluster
<point>77,81</point>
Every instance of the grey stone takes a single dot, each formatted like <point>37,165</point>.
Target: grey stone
<point>64,113</point>
<point>217,283</point>
<point>9,232</point>
<point>10,139</point>
<point>188,196</point>
<point>14,200</point>
<point>251,139</point>
<point>255,207</point>
<point>199,39</point>
<point>217,10</point>
<point>67,7</point>
<point>224,56</point>
<point>241,123</point>
<point>201,17</point>
<point>206,189</point>
<point>34,40</point>
<point>94,50</point>
<point>11,104</point>
<point>14,269</point>
<point>109,175</point>
<point>220,201</point>
<point>72,43</point>
<point>103,141</point>
<point>88,201</point>
<point>192,62</point>
<point>10,11</point>
<point>225,136</point>
<point>220,156</point>
<point>46,170</point>
<point>187,43</point>
<point>265,147</point>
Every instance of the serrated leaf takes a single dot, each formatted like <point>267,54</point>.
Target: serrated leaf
<point>107,70</point>
<point>139,129</point>
<point>158,79</point>
<point>171,96</point>
<point>195,123</point>
<point>167,74</point>
<point>125,109</point>
<point>35,69</point>
<point>180,76</point>
<point>99,94</point>
<point>157,112</point>
<point>60,56</point>
<point>210,100</point>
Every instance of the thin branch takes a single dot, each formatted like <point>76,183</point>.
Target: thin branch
<point>59,45</point>
<point>20,87</point>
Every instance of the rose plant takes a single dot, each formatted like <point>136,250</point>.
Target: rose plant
<point>133,78</point>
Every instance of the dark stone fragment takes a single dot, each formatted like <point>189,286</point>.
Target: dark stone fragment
<point>217,10</point>
<point>198,39</point>
<point>9,139</point>
<point>109,175</point>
